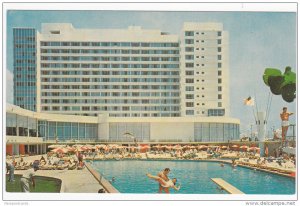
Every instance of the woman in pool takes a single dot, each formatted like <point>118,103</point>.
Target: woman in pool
<point>165,184</point>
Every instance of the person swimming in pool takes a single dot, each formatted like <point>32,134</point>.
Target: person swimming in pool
<point>165,184</point>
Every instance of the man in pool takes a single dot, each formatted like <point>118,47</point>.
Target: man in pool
<point>164,183</point>
<point>164,175</point>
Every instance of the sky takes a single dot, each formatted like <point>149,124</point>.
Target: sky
<point>257,40</point>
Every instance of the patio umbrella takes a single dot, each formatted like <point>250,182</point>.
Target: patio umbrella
<point>169,147</point>
<point>202,147</point>
<point>235,146</point>
<point>177,147</point>
<point>60,150</point>
<point>192,147</point>
<point>145,147</point>
<point>55,146</point>
<point>244,147</point>
<point>224,147</point>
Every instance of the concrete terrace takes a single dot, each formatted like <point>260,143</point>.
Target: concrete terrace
<point>73,181</point>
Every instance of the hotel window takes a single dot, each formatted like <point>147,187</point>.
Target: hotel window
<point>219,65</point>
<point>189,57</point>
<point>219,89</point>
<point>189,33</point>
<point>219,49</point>
<point>189,41</point>
<point>189,65</point>
<point>219,41</point>
<point>202,41</point>
<point>189,112</point>
<point>189,72</point>
<point>219,96</point>
<point>189,80</point>
<point>219,81</point>
<point>189,49</point>
<point>219,73</point>
<point>189,96</point>
<point>189,88</point>
<point>219,33</point>
<point>219,104</point>
<point>189,104</point>
<point>219,57</point>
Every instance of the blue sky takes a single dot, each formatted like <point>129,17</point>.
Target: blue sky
<point>257,40</point>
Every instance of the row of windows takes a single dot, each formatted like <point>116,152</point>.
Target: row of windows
<point>111,108</point>
<point>25,68</point>
<point>112,94</point>
<point>107,51</point>
<point>26,83</point>
<point>110,44</point>
<point>25,46</point>
<point>127,87</point>
<point>110,101</point>
<point>192,33</point>
<point>191,65</point>
<point>191,88</point>
<point>190,80</point>
<point>191,57</point>
<point>57,65</point>
<point>216,112</point>
<point>98,58</point>
<point>169,114</point>
<point>172,80</point>
<point>110,72</point>
<point>192,41</point>
<point>24,61</point>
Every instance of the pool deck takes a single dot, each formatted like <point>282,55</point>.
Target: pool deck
<point>72,180</point>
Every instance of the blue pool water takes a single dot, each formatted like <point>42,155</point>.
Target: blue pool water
<point>194,177</point>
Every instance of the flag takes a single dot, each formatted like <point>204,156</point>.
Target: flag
<point>249,101</point>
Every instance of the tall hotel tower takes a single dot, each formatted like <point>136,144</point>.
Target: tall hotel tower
<point>122,72</point>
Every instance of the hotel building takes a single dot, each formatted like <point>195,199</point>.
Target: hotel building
<point>152,84</point>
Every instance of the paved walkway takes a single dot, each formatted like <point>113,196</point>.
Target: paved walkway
<point>73,181</point>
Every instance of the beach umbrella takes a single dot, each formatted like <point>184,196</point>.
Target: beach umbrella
<point>202,147</point>
<point>113,145</point>
<point>177,147</point>
<point>145,147</point>
<point>55,146</point>
<point>60,150</point>
<point>169,147</point>
<point>235,146</point>
<point>224,147</point>
<point>192,147</point>
<point>244,147</point>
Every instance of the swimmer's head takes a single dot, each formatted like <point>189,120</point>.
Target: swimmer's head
<point>167,170</point>
<point>174,180</point>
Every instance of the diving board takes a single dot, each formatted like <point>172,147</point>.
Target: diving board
<point>226,186</point>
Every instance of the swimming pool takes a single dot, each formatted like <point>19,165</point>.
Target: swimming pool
<point>194,177</point>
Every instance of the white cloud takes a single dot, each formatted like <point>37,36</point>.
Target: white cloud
<point>9,87</point>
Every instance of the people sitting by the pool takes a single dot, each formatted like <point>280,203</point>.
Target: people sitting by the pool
<point>166,184</point>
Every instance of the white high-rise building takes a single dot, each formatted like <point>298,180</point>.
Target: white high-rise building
<point>127,72</point>
<point>124,72</point>
<point>204,70</point>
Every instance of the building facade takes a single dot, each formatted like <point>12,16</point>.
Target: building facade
<point>24,52</point>
<point>30,132</point>
<point>131,72</point>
